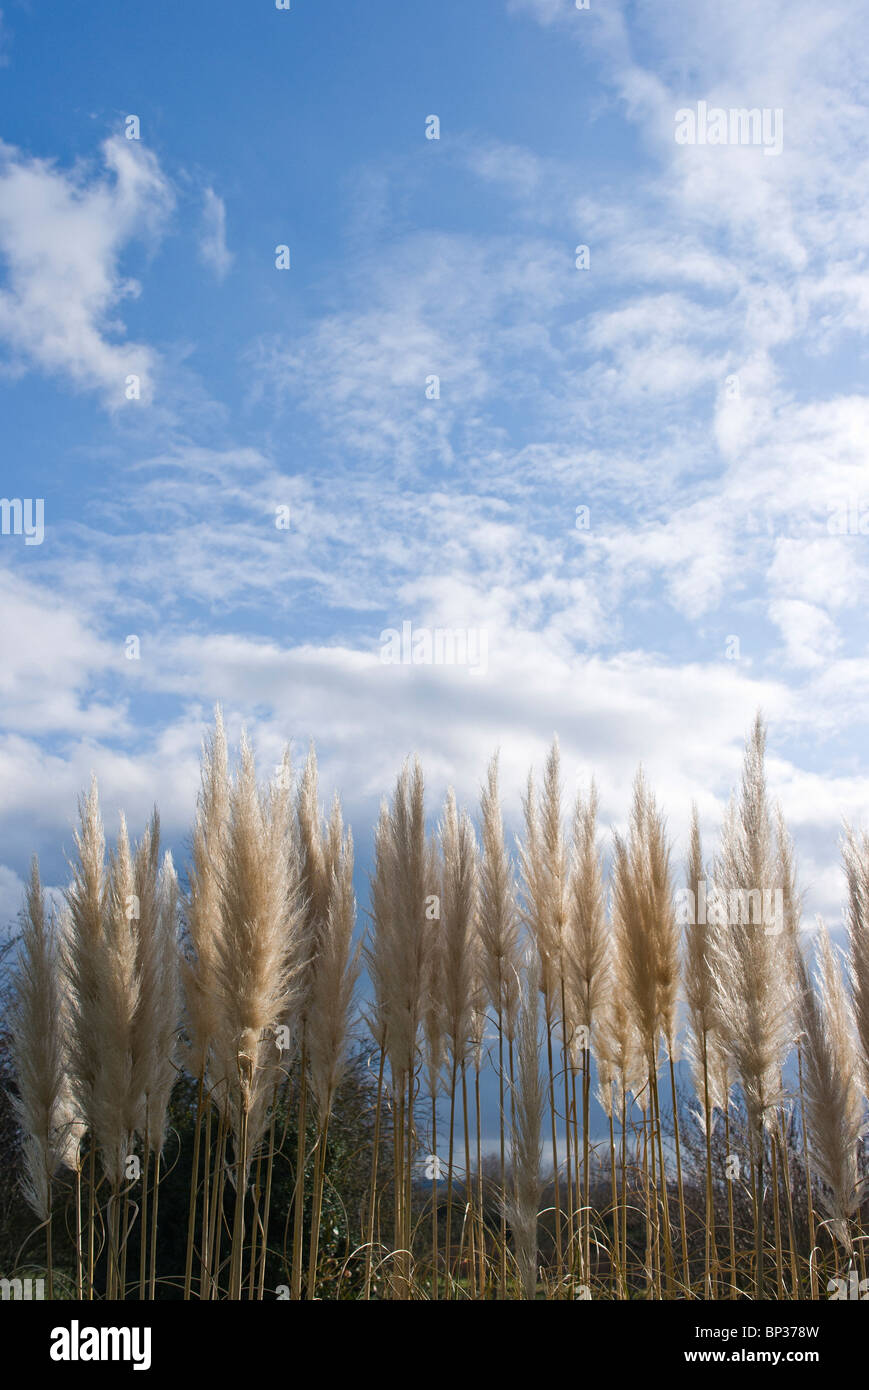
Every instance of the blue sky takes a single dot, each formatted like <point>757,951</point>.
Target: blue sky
<point>701,387</point>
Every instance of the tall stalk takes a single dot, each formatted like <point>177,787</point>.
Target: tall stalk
<point>194,1185</point>
<point>499,962</point>
<point>810,1206</point>
<point>734,1292</point>
<point>372,1194</point>
<point>448,1235</point>
<point>299,1186</point>
<point>319,1180</point>
<point>267,1200</point>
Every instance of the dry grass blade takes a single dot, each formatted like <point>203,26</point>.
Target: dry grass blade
<point>856,859</point>
<point>834,1108</point>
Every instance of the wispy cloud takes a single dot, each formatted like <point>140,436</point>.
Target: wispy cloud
<point>432,398</point>
<point>212,243</point>
<point>4,41</point>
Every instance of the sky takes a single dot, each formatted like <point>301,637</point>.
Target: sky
<point>632,475</point>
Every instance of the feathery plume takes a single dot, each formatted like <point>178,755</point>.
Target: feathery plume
<point>543,861</point>
<point>855,854</point>
<point>337,968</point>
<point>498,918</point>
<point>118,1099</point>
<point>43,1104</point>
<point>156,1015</point>
<point>82,950</point>
<point>203,912</point>
<point>167,1003</point>
<point>259,922</point>
<point>316,866</point>
<point>834,1110</point>
<point>645,928</point>
<point>381,932</point>
<point>458,908</point>
<point>699,980</point>
<point>587,932</point>
<point>752,964</point>
<point>433,1022</point>
<point>619,1049</point>
<point>703,1049</point>
<point>405,948</point>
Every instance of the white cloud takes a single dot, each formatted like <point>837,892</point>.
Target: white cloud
<point>62,235</point>
<point>439,305</point>
<point>52,656</point>
<point>212,243</point>
<point>4,40</point>
<point>826,572</point>
<point>556,389</point>
<point>811,639</point>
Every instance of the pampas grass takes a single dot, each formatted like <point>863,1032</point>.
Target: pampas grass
<point>543,859</point>
<point>589,972</point>
<point>83,968</point>
<point>44,1105</point>
<point>570,977</point>
<point>253,967</point>
<point>336,970</point>
<point>752,966</point>
<point>834,1105</point>
<point>621,1066</point>
<point>855,853</point>
<point>647,955</point>
<point>399,958</point>
<point>704,1048</point>
<point>499,961</point>
<point>458,963</point>
<point>529,1101</point>
<point>158,1021</point>
<point>314,882</point>
<point>204,923</point>
<point>376,953</point>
